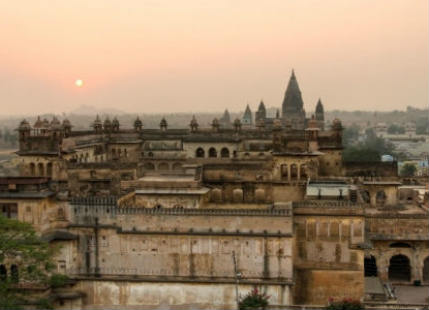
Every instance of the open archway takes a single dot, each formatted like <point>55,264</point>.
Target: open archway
<point>199,153</point>
<point>212,152</point>
<point>224,153</point>
<point>370,266</point>
<point>399,268</point>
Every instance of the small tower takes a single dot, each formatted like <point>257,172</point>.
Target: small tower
<point>67,127</point>
<point>56,129</point>
<point>115,125</point>
<point>337,128</point>
<point>138,125</point>
<point>163,124</point>
<point>97,125</point>
<point>193,124</point>
<point>247,117</point>
<point>312,132</point>
<point>107,125</point>
<point>215,125</point>
<point>225,120</point>
<point>261,114</point>
<point>24,130</point>
<point>320,114</point>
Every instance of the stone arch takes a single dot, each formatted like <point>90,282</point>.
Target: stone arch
<point>212,152</point>
<point>49,169</point>
<point>426,269</point>
<point>399,245</point>
<point>284,172</point>
<point>399,268</point>
<point>3,273</point>
<point>260,195</point>
<point>149,166</point>
<point>366,196</point>
<point>32,169</point>
<point>177,166</point>
<point>199,153</point>
<point>40,169</point>
<point>294,171</point>
<point>237,195</point>
<point>216,195</point>
<point>370,266</point>
<point>14,273</point>
<point>224,153</point>
<point>163,166</point>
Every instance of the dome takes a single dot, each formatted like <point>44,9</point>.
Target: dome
<point>24,125</point>
<point>115,122</point>
<point>107,122</point>
<point>336,124</point>
<point>38,123</point>
<point>55,123</point>
<point>138,122</point>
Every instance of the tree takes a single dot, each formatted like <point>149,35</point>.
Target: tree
<point>395,129</point>
<point>408,170</point>
<point>24,259</point>
<point>350,134</point>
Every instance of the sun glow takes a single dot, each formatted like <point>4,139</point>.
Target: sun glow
<point>78,83</point>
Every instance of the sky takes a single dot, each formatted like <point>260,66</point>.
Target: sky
<point>154,56</point>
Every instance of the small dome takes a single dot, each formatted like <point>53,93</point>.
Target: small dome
<point>237,122</point>
<point>55,123</point>
<point>38,123</point>
<point>138,122</point>
<point>66,123</point>
<point>115,122</point>
<point>107,122</point>
<point>277,123</point>
<point>215,122</point>
<point>24,125</point>
<point>194,122</point>
<point>45,123</point>
<point>163,123</point>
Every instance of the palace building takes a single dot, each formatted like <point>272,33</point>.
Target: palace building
<point>178,218</point>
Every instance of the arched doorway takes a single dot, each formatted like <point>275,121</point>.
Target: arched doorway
<point>40,169</point>
<point>380,198</point>
<point>426,270</point>
<point>284,172</point>
<point>399,268</point>
<point>224,153</point>
<point>370,266</point>
<point>212,152</point>
<point>293,171</point>
<point>199,152</point>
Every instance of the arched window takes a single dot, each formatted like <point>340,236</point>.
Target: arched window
<point>163,166</point>
<point>304,171</point>
<point>293,171</point>
<point>49,169</point>
<point>224,153</point>
<point>426,270</point>
<point>212,152</point>
<point>284,172</point>
<point>399,268</point>
<point>40,169</point>
<point>32,169</point>
<point>14,275</point>
<point>3,273</point>
<point>370,266</point>
<point>200,153</point>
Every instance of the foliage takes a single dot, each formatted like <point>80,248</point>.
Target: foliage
<point>422,126</point>
<point>344,304</point>
<point>350,134</point>
<point>395,129</point>
<point>408,170</point>
<point>31,257</point>
<point>370,150</point>
<point>254,300</point>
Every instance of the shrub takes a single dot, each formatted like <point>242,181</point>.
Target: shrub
<point>254,300</point>
<point>344,304</point>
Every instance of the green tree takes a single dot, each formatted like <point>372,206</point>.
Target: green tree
<point>408,170</point>
<point>395,129</point>
<point>350,134</point>
<point>24,258</point>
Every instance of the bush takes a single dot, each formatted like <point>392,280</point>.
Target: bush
<point>344,304</point>
<point>254,300</point>
<point>58,280</point>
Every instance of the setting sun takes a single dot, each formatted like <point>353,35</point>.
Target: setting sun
<point>79,83</point>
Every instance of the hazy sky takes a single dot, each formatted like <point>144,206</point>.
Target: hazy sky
<point>205,55</point>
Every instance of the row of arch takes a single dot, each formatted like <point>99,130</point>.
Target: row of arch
<point>41,169</point>
<point>212,153</point>
<point>293,171</point>
<point>118,153</point>
<point>162,166</point>
<point>14,274</point>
